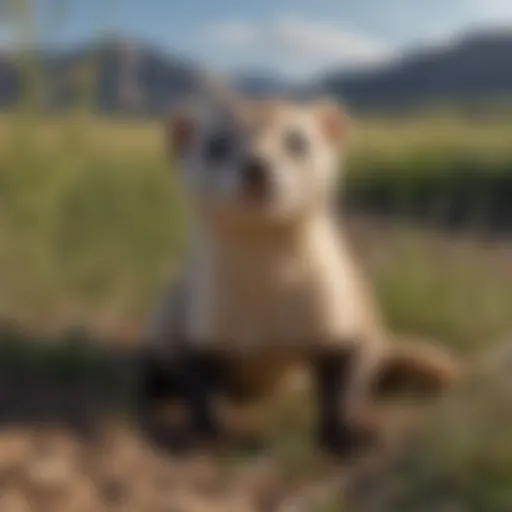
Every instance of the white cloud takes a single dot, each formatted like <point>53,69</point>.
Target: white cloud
<point>295,45</point>
<point>498,8</point>
<point>472,16</point>
<point>233,33</point>
<point>497,13</point>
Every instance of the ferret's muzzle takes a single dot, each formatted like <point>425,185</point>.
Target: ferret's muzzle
<point>256,179</point>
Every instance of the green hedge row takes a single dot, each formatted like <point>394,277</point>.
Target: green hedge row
<point>457,191</point>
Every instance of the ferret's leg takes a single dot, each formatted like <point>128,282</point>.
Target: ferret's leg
<point>340,431</point>
<point>157,385</point>
<point>157,381</point>
<point>191,377</point>
<point>201,375</point>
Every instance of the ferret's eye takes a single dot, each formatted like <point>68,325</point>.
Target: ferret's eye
<point>296,143</point>
<point>217,148</point>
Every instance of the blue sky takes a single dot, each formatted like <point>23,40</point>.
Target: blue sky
<point>296,37</point>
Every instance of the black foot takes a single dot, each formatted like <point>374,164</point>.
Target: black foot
<point>157,388</point>
<point>335,380</point>
<point>156,383</point>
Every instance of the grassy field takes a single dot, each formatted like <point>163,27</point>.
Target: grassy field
<point>91,223</point>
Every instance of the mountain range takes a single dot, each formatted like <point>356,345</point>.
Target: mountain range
<point>125,77</point>
<point>475,68</point>
<point>132,78</point>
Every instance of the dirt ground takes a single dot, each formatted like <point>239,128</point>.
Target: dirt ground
<point>65,445</point>
<point>49,469</point>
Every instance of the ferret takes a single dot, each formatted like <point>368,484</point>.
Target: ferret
<point>270,284</point>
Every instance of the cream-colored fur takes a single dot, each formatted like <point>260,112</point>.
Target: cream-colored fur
<point>293,291</point>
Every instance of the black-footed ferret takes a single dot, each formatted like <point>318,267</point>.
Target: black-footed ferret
<point>270,282</point>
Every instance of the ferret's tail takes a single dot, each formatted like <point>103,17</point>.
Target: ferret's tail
<point>419,368</point>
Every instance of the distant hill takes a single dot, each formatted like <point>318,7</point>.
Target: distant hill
<point>476,68</point>
<point>10,82</point>
<point>128,78</point>
<point>137,79</point>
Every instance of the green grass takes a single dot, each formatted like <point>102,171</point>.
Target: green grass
<point>84,227</point>
<point>464,459</point>
<point>91,222</point>
<point>456,290</point>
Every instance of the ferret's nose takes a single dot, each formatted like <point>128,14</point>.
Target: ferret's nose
<point>256,177</point>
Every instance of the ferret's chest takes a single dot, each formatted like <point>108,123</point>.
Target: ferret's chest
<point>261,300</point>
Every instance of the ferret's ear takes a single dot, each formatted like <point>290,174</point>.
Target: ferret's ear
<point>179,131</point>
<point>333,120</point>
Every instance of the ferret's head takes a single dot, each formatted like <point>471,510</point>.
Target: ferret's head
<point>259,162</point>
